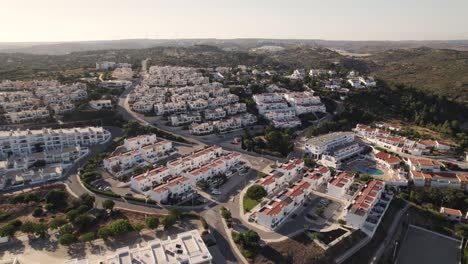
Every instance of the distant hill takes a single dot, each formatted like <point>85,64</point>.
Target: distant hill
<point>56,48</point>
<point>443,72</point>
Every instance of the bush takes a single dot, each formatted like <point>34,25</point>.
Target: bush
<point>225,213</point>
<point>66,239</point>
<point>57,222</point>
<point>108,205</point>
<point>341,222</point>
<point>152,222</point>
<point>4,216</point>
<point>168,221</point>
<point>256,192</point>
<point>138,227</point>
<point>248,253</point>
<point>87,237</point>
<point>56,197</point>
<point>104,233</point>
<point>67,228</point>
<point>37,212</point>
<point>119,227</point>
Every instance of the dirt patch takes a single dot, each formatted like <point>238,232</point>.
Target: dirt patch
<point>298,250</point>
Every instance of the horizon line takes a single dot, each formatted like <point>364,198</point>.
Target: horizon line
<point>187,39</point>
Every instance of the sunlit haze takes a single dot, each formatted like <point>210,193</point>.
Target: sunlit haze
<point>70,20</point>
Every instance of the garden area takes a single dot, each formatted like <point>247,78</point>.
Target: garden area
<point>253,196</point>
<point>52,212</point>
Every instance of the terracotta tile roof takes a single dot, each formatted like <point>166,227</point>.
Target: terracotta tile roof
<point>342,179</point>
<point>451,211</point>
<point>387,158</point>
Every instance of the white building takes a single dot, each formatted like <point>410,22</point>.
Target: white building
<point>340,185</point>
<point>316,146</point>
<point>187,247</point>
<point>318,176</point>
<point>145,181</point>
<point>185,119</point>
<point>25,142</point>
<point>100,104</point>
<point>366,211</point>
<point>368,82</point>
<point>27,116</point>
<point>452,214</point>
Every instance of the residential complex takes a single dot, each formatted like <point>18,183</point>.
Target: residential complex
<point>282,109</point>
<point>186,247</point>
<point>428,173</point>
<point>33,156</point>
<point>333,149</point>
<point>141,150</point>
<point>31,101</point>
<point>188,98</point>
<point>366,211</point>
<point>177,177</point>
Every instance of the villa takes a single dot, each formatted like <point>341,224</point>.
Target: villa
<point>318,176</point>
<point>340,185</point>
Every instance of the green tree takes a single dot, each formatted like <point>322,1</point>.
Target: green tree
<point>174,211</point>
<point>138,227</point>
<point>56,197</point>
<point>119,227</point>
<point>168,221</point>
<point>87,237</point>
<point>108,205</point>
<point>88,200</point>
<point>72,215</point>
<point>83,222</point>
<point>66,239</point>
<point>37,212</point>
<point>57,222</point>
<point>256,192</point>
<point>27,227</point>
<point>152,222</point>
<point>104,233</point>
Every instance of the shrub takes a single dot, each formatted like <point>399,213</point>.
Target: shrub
<point>138,227</point>
<point>108,205</point>
<point>119,227</point>
<point>225,213</point>
<point>66,239</point>
<point>104,233</point>
<point>57,222</point>
<point>152,222</point>
<point>4,216</point>
<point>341,222</point>
<point>37,212</point>
<point>56,197</point>
<point>87,237</point>
<point>67,228</point>
<point>168,221</point>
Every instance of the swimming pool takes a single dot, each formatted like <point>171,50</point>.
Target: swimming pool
<point>371,171</point>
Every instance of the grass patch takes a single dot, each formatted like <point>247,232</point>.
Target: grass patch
<point>249,203</point>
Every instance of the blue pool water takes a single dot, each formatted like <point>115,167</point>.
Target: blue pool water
<point>371,171</point>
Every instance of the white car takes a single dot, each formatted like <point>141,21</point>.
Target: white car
<point>216,192</point>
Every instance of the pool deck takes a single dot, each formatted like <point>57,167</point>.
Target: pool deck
<point>388,175</point>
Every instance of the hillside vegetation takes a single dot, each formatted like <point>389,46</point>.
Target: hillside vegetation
<point>442,72</point>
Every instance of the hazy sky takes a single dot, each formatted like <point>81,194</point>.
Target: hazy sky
<point>66,20</point>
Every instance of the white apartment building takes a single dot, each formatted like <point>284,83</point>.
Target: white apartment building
<point>198,104</point>
<point>139,141</point>
<point>305,102</point>
<point>366,211</point>
<point>287,123</point>
<point>216,167</point>
<point>335,157</point>
<point>316,146</point>
<point>187,247</point>
<point>143,107</point>
<point>317,176</point>
<point>174,188</point>
<point>280,114</point>
<point>277,210</point>
<point>214,114</point>
<point>340,185</point>
<point>25,142</point>
<point>235,108</point>
<point>145,181</point>
<point>202,129</point>
<point>62,108</point>
<point>194,160</point>
<point>185,119</point>
<point>271,182</point>
<point>170,108</point>
<point>138,153</point>
<point>100,104</point>
<point>27,116</point>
